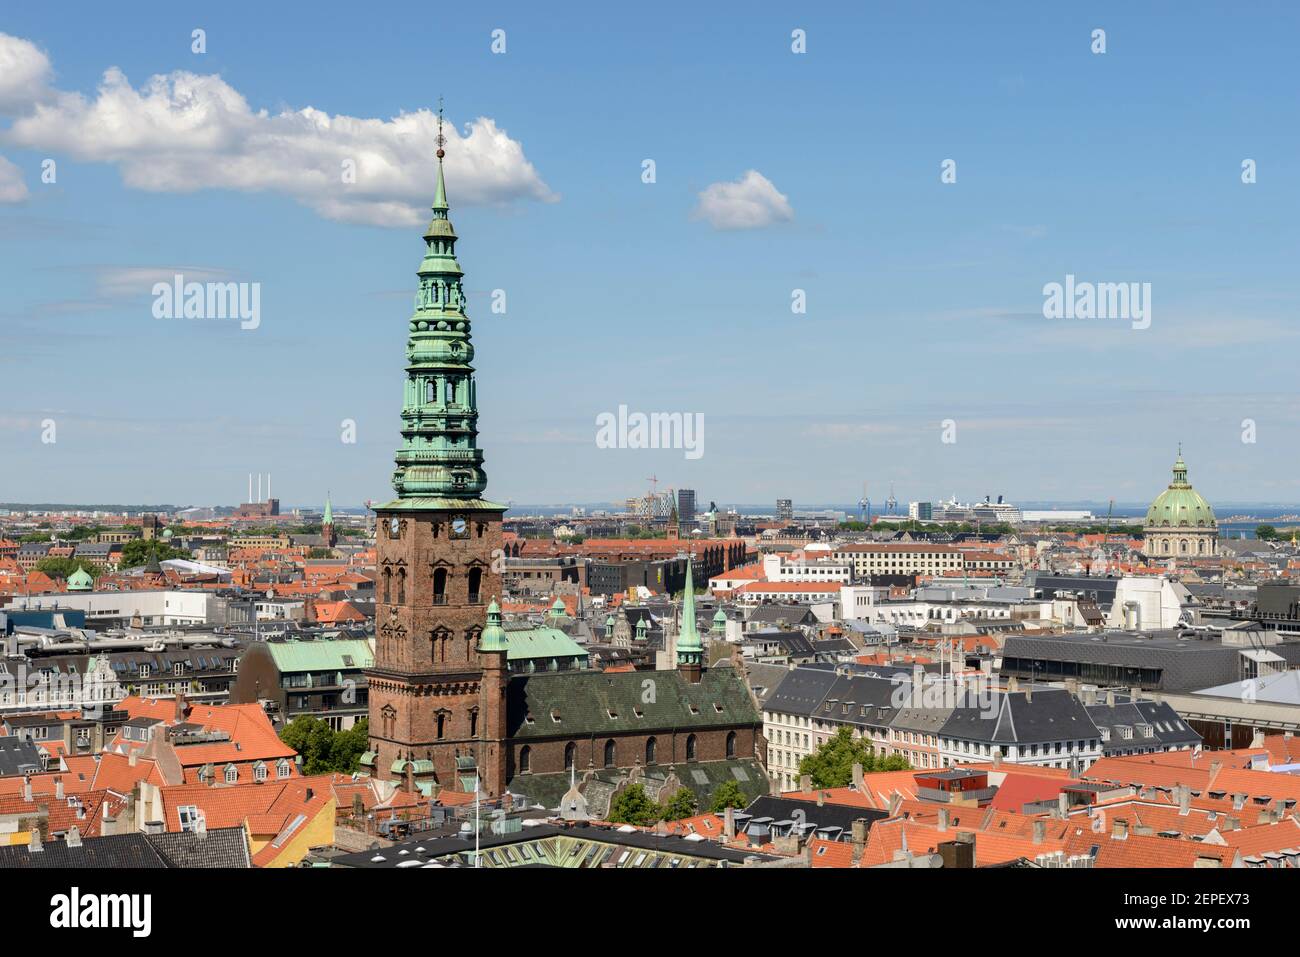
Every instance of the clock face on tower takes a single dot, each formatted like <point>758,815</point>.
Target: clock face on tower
<point>393,527</point>
<point>459,528</point>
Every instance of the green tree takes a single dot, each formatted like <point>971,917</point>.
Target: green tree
<point>831,765</point>
<point>64,567</point>
<point>1265,533</point>
<point>680,805</point>
<point>728,794</point>
<point>348,746</point>
<point>141,551</point>
<point>322,748</point>
<point>633,806</point>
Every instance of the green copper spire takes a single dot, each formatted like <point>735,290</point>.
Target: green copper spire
<point>329,511</point>
<point>690,650</point>
<point>439,463</point>
<point>493,637</point>
<point>719,621</point>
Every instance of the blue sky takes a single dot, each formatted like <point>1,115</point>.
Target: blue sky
<point>924,299</point>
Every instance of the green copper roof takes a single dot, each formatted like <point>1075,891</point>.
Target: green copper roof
<point>601,703</point>
<point>689,647</point>
<point>439,456</point>
<point>329,512</point>
<point>494,636</point>
<point>341,654</point>
<point>527,643</point>
<point>80,581</point>
<point>1180,505</point>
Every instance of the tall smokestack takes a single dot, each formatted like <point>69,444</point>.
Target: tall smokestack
<point>250,487</point>
<point>259,486</point>
<point>268,486</point>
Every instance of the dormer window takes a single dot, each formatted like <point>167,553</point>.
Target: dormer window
<point>555,715</point>
<point>232,774</point>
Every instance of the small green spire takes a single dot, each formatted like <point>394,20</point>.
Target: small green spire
<point>329,511</point>
<point>494,636</point>
<point>719,621</point>
<point>690,650</point>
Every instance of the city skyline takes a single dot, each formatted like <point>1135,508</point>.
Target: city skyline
<point>666,296</point>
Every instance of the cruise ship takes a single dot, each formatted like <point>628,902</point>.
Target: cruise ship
<point>982,512</point>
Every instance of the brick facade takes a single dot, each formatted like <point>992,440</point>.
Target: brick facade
<point>433,695</point>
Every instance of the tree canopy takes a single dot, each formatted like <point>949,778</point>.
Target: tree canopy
<point>728,794</point>
<point>633,806</point>
<point>322,748</point>
<point>831,765</point>
<point>140,551</point>
<point>64,567</point>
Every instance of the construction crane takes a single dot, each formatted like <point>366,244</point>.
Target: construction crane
<point>864,504</point>
<point>891,503</point>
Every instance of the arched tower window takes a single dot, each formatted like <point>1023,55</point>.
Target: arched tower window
<point>401,586</point>
<point>388,585</point>
<point>525,760</point>
<point>570,756</point>
<point>650,751</point>
<point>611,753</point>
<point>473,722</point>
<point>440,586</point>
<point>690,747</point>
<point>431,391</point>
<point>731,744</point>
<point>475,581</point>
<point>442,725</point>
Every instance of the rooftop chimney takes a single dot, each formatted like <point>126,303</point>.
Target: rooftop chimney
<point>74,837</point>
<point>943,819</point>
<point>805,782</point>
<point>1120,830</point>
<point>34,842</point>
<point>729,824</point>
<point>1040,831</point>
<point>58,788</point>
<point>859,784</point>
<point>1184,793</point>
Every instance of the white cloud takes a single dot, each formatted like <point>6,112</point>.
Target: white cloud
<point>24,73</point>
<point>12,187</point>
<point>184,132</point>
<point>751,202</point>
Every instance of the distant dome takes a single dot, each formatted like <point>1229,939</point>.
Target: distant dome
<point>168,533</point>
<point>1180,505</point>
<point>80,580</point>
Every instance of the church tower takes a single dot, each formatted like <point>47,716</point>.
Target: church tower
<point>690,649</point>
<point>327,524</point>
<point>438,685</point>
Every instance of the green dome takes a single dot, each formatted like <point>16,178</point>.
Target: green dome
<point>493,637</point>
<point>80,581</point>
<point>1180,505</point>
